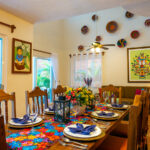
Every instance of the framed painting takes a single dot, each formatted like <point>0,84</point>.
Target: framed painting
<point>138,59</point>
<point>21,56</point>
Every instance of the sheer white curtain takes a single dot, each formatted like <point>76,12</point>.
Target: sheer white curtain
<point>83,66</point>
<point>54,58</point>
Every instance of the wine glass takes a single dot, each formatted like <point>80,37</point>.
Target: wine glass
<point>76,109</point>
<point>34,116</point>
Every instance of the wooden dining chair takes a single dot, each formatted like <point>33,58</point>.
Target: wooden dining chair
<point>59,91</point>
<point>145,97</point>
<point>39,100</point>
<point>110,94</point>
<point>129,143</point>
<point>5,97</point>
<point>3,145</point>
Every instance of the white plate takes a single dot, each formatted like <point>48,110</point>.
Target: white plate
<point>38,120</point>
<point>95,133</point>
<point>124,106</point>
<point>95,113</point>
<point>47,111</point>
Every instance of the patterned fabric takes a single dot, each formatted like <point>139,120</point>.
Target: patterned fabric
<point>43,136</point>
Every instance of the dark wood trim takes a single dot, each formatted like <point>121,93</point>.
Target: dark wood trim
<point>13,54</point>
<point>42,51</point>
<point>12,27</point>
<point>132,48</point>
<point>70,55</point>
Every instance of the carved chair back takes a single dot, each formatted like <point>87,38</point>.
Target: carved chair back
<point>134,124</point>
<point>110,93</point>
<point>59,91</point>
<point>39,100</point>
<point>5,97</point>
<point>145,98</point>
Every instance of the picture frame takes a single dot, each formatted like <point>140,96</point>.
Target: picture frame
<point>138,63</point>
<point>21,56</point>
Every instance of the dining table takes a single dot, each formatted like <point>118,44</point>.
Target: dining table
<point>48,121</point>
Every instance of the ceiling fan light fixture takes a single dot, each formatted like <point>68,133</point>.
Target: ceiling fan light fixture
<point>93,50</point>
<point>97,50</point>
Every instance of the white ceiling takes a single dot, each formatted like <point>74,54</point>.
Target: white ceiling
<point>47,10</point>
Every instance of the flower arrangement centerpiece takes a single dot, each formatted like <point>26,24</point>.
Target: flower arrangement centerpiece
<point>81,95</point>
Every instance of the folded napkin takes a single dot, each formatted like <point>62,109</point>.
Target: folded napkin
<point>102,113</point>
<point>81,130</point>
<point>25,119</point>
<point>117,105</point>
<point>51,108</point>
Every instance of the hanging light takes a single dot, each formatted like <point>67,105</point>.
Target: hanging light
<point>93,50</point>
<point>97,50</point>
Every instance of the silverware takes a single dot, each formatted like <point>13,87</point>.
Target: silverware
<point>67,144</point>
<point>103,122</point>
<point>70,141</point>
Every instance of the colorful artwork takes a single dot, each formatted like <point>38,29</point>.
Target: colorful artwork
<point>21,58</point>
<point>139,64</point>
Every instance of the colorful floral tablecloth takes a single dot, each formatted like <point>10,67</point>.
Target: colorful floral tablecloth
<point>43,136</point>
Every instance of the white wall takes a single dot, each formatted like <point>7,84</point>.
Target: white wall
<point>49,36</point>
<point>114,69</point>
<point>18,83</point>
<point>64,36</point>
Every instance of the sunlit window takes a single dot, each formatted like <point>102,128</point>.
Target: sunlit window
<point>42,75</point>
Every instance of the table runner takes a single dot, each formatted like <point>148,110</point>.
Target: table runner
<point>43,136</point>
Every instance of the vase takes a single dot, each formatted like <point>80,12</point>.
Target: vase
<point>78,110</point>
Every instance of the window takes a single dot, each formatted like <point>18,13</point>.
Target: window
<point>42,74</point>
<point>86,66</point>
<point>0,62</point>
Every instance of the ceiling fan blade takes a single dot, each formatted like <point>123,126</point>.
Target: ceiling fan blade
<point>108,44</point>
<point>105,48</point>
<point>88,49</point>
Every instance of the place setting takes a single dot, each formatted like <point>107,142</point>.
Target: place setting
<point>27,121</point>
<point>83,132</point>
<point>105,115</point>
<point>118,106</point>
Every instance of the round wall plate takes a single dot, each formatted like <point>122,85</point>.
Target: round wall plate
<point>98,38</point>
<point>94,17</point>
<point>122,43</point>
<point>80,48</point>
<point>84,29</point>
<point>112,26</point>
<point>129,14</point>
<point>135,34</point>
<point>147,22</point>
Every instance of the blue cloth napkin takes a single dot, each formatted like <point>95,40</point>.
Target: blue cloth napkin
<point>25,119</point>
<point>81,130</point>
<point>51,108</point>
<point>102,113</point>
<point>117,105</point>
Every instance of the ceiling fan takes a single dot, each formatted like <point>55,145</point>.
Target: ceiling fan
<point>96,46</point>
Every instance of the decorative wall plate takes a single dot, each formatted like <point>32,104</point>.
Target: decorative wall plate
<point>98,38</point>
<point>94,17</point>
<point>84,29</point>
<point>135,34</point>
<point>80,48</point>
<point>112,26</point>
<point>122,43</point>
<point>147,22</point>
<point>129,14</point>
